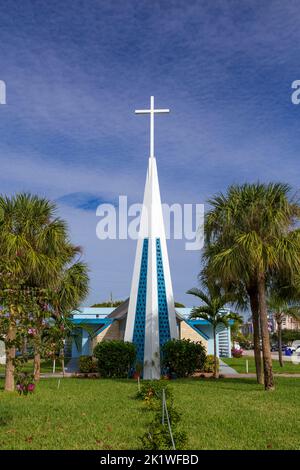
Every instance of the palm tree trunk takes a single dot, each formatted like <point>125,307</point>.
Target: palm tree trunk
<point>279,324</point>
<point>24,347</point>
<point>215,374</point>
<point>37,366</point>
<point>253,296</point>
<point>63,363</point>
<point>10,356</point>
<point>267,358</point>
<point>37,354</point>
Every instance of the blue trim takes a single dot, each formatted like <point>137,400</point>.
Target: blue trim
<point>90,321</point>
<point>140,312</point>
<point>99,330</point>
<point>204,322</point>
<point>104,311</point>
<point>163,314</point>
<point>190,323</point>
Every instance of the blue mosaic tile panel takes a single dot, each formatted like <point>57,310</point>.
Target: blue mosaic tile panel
<point>140,313</point>
<point>163,317</point>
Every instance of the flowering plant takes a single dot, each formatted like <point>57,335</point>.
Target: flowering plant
<point>236,352</point>
<point>25,383</point>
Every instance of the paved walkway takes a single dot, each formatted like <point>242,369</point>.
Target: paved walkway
<point>253,376</point>
<point>227,370</point>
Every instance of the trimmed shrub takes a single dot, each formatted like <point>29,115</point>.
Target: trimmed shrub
<point>183,357</point>
<point>115,358</point>
<point>87,364</point>
<point>209,363</point>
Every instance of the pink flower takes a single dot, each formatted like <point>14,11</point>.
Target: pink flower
<point>31,331</point>
<point>31,387</point>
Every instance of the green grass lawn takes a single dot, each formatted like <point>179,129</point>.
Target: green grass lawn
<point>239,364</point>
<point>103,414</point>
<point>46,366</point>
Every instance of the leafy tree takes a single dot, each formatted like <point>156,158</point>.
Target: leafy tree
<point>113,303</point>
<point>71,289</point>
<point>279,308</point>
<point>288,336</point>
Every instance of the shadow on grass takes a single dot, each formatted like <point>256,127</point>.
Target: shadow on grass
<point>5,418</point>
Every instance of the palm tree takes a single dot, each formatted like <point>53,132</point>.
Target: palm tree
<point>34,247</point>
<point>280,307</point>
<point>64,294</point>
<point>73,288</point>
<point>242,284</point>
<point>212,310</point>
<point>250,238</point>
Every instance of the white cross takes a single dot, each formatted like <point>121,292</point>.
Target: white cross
<point>151,111</point>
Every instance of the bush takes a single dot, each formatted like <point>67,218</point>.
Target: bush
<point>209,363</point>
<point>152,390</point>
<point>87,364</point>
<point>24,383</point>
<point>183,357</point>
<point>115,358</point>
<point>157,436</point>
<point>246,342</point>
<point>237,352</point>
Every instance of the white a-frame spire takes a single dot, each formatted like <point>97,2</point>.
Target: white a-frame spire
<point>151,319</point>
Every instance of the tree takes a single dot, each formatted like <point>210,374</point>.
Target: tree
<point>34,248</point>
<point>279,308</point>
<point>112,303</point>
<point>27,237</point>
<point>72,289</point>
<point>251,236</point>
<point>220,233</point>
<point>288,336</point>
<point>212,310</point>
<point>64,296</point>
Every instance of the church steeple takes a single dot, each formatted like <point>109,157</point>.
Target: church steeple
<point>151,319</point>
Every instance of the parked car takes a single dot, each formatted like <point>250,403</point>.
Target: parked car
<point>274,347</point>
<point>295,346</point>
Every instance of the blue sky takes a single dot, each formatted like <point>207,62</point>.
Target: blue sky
<point>76,70</point>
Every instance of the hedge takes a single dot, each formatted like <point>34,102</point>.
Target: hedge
<point>183,357</point>
<point>115,358</point>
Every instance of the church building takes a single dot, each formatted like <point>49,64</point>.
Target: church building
<point>148,318</point>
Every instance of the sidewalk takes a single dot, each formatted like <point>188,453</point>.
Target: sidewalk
<point>227,370</point>
<point>253,376</point>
